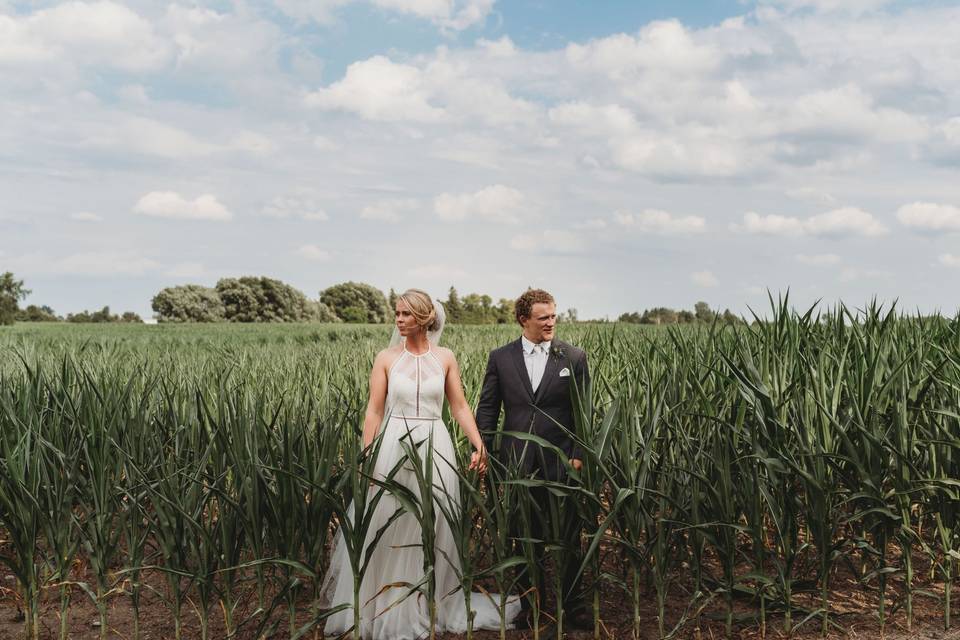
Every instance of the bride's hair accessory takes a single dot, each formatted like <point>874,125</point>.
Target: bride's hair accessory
<point>428,313</point>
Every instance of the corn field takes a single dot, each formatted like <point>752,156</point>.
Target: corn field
<point>732,473</point>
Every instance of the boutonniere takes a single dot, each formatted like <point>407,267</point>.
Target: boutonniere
<point>557,352</point>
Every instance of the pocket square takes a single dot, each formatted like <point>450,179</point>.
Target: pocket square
<point>564,373</point>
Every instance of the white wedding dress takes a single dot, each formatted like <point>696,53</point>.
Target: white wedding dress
<point>415,392</point>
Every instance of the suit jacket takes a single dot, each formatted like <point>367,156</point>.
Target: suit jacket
<point>507,385</point>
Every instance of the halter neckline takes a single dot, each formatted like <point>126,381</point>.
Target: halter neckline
<point>418,355</point>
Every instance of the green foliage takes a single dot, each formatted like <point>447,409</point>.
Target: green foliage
<point>357,302</point>
<point>740,470</point>
<point>33,313</point>
<point>475,308</point>
<point>188,303</point>
<point>103,315</point>
<point>261,299</point>
<point>320,312</point>
<point>701,314</point>
<point>11,293</point>
<point>247,299</point>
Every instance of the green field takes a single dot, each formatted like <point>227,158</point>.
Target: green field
<point>736,477</point>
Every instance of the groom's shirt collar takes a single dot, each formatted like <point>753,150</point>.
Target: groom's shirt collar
<point>528,346</point>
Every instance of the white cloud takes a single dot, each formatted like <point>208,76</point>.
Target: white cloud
<point>496,203</point>
<point>449,15</point>
<point>86,216</point>
<point>662,48</point>
<point>472,12</point>
<point>206,43</point>
<point>610,119</point>
<point>662,222</point>
<point>771,224</point>
<point>929,216</point>
<point>704,279</point>
<point>390,210</point>
<point>146,136</point>
<point>169,204</point>
<point>949,260</point>
<point>848,111</point>
<point>500,48</point>
<point>295,207</point>
<point>438,90</point>
<point>314,253</point>
<point>818,259</point>
<point>473,96</point>
<point>667,151</point>
<point>378,89</point>
<point>845,221</point>
<point>549,242</point>
<point>87,33</point>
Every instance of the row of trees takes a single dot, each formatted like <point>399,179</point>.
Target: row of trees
<point>43,313</point>
<point>702,313</point>
<point>12,291</point>
<point>103,315</point>
<point>262,299</point>
<point>473,308</point>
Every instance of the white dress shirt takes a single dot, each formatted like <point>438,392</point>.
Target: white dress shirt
<point>535,357</point>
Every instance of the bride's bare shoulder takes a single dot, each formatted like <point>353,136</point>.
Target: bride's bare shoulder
<point>446,355</point>
<point>387,356</point>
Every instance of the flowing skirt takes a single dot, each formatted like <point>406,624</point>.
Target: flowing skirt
<point>388,610</point>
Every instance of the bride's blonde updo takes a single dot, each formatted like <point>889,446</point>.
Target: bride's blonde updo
<point>421,306</point>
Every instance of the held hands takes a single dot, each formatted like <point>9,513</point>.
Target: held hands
<point>576,464</point>
<point>478,460</point>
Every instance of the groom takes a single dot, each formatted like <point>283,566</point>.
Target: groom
<point>532,379</point>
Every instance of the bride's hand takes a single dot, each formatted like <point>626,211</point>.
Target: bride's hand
<point>478,460</point>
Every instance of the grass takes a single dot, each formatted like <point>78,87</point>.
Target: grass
<point>223,457</point>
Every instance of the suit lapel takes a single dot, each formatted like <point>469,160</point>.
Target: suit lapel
<point>516,354</point>
<point>549,372</point>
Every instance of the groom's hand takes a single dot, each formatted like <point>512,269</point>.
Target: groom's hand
<point>576,463</point>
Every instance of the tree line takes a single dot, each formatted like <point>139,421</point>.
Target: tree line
<point>12,291</point>
<point>702,313</point>
<point>263,299</point>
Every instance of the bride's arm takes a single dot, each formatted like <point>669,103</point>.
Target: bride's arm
<point>373,417</point>
<point>461,412</point>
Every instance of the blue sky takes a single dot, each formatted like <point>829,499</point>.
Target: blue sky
<point>623,155</point>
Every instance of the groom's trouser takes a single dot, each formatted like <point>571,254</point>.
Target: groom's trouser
<point>571,557</point>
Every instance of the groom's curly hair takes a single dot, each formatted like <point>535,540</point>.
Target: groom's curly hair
<point>523,307</point>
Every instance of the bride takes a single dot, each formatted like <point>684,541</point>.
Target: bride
<point>408,383</point>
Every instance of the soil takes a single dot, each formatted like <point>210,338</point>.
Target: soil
<point>853,607</point>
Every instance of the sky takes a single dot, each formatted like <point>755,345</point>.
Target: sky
<point>620,154</point>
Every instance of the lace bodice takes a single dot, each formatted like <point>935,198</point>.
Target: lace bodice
<point>415,386</point>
